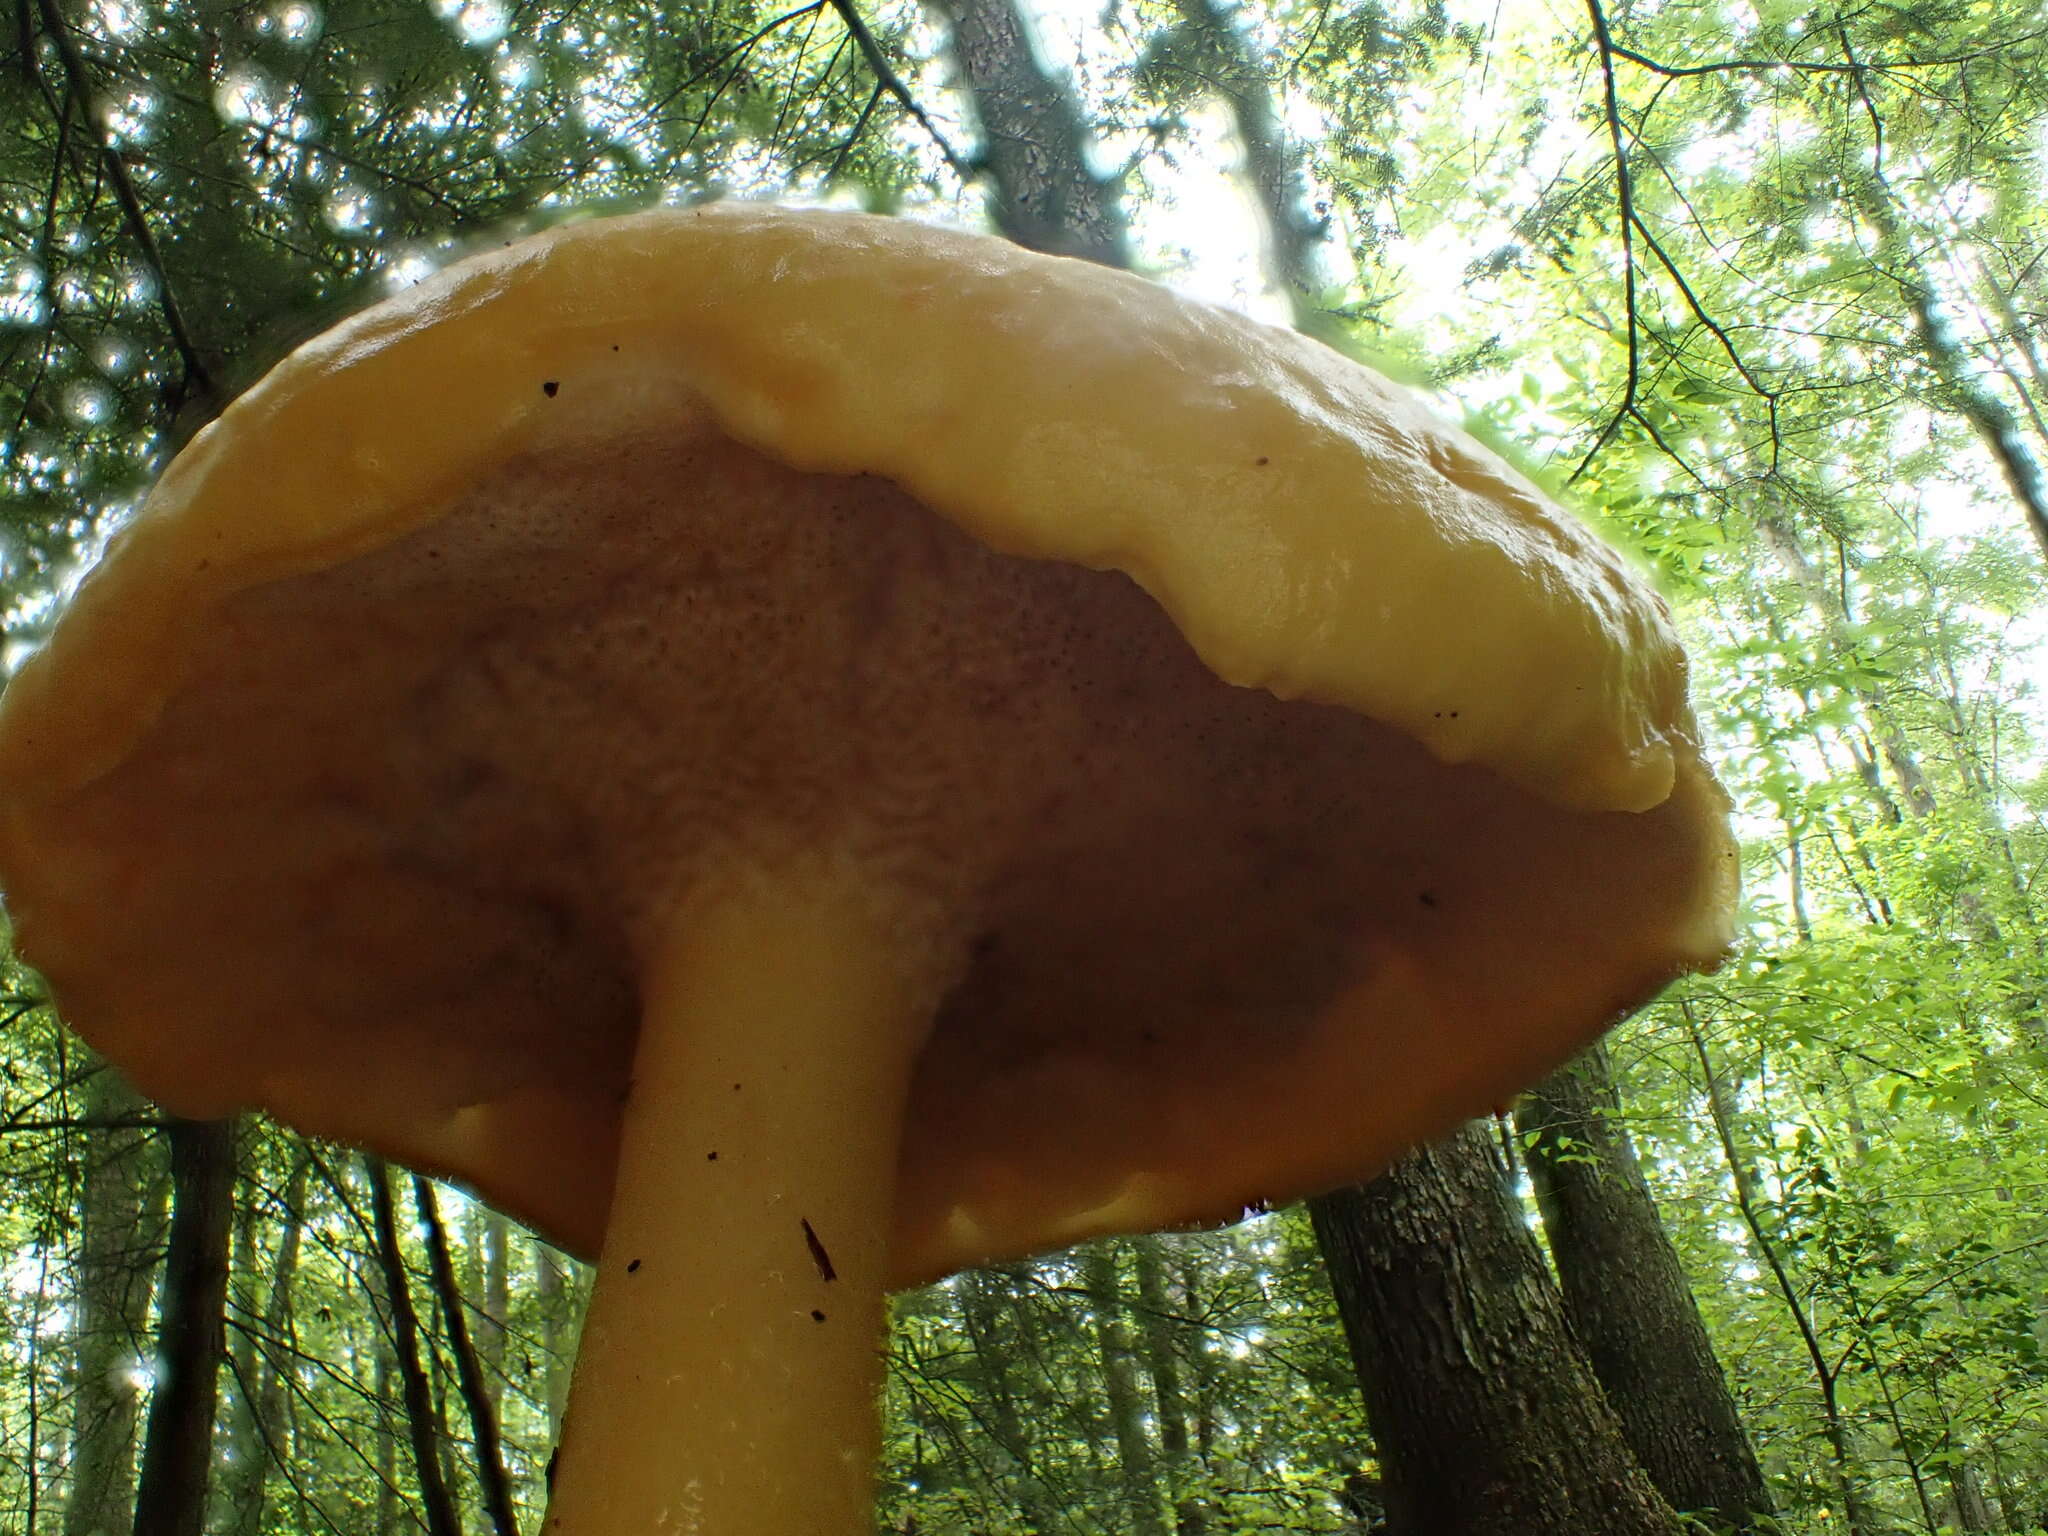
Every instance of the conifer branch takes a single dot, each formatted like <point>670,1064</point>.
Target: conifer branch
<point>198,380</point>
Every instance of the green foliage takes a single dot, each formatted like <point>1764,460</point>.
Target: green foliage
<point>999,1410</point>
<point>1773,381</point>
<point>186,190</point>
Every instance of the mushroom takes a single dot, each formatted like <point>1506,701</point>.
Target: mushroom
<point>798,752</point>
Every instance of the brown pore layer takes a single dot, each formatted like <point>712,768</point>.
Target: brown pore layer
<point>384,864</point>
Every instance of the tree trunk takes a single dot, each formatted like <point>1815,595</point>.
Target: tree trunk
<point>1628,1301</point>
<point>1135,1467</point>
<point>1856,1515</point>
<point>1961,390</point>
<point>437,1511</point>
<point>1830,607</point>
<point>39,1309</point>
<point>1486,1417</point>
<point>177,1453</point>
<point>983,1295</point>
<point>1294,235</point>
<point>1966,1493</point>
<point>1162,1359</point>
<point>555,1289</point>
<point>2009,1508</point>
<point>387,1446</point>
<point>1206,1383</point>
<point>111,1302</point>
<point>243,1478</point>
<point>1424,1496</point>
<point>497,1305</point>
<point>490,1462</point>
<point>1562,1471</point>
<point>261,1415</point>
<point>1033,138</point>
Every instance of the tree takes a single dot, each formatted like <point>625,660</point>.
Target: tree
<point>115,1275</point>
<point>177,1452</point>
<point>1142,1509</point>
<point>1034,142</point>
<point>476,1395</point>
<point>1001,1351</point>
<point>1160,1326</point>
<point>261,1340</point>
<point>1485,1416</point>
<point>438,1509</point>
<point>1628,1300</point>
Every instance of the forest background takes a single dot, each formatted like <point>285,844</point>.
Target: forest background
<point>1758,287</point>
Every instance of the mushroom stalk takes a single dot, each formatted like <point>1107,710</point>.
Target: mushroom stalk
<point>729,1378</point>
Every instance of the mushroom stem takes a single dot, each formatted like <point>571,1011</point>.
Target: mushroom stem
<point>729,1378</point>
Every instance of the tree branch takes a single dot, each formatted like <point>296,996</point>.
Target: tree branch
<point>886,76</point>
<point>860,126</point>
<point>1737,66</point>
<point>439,1513</point>
<point>198,379</point>
<point>490,1460</point>
<point>1985,412</point>
<point>1624,188</point>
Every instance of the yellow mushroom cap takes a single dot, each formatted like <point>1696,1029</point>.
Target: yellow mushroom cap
<point>1309,526</point>
<point>1439,730</point>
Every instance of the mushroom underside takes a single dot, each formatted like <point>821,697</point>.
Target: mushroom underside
<point>750,879</point>
<point>392,860</point>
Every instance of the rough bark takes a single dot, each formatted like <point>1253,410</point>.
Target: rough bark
<point>1034,139</point>
<point>1628,1301</point>
<point>1486,1417</point>
<point>111,1300</point>
<point>1135,1464</point>
<point>177,1450</point>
